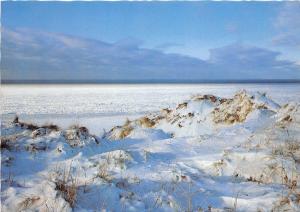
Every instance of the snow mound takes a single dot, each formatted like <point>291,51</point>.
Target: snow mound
<point>201,114</point>
<point>17,136</point>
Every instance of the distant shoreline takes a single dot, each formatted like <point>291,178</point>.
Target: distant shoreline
<point>262,81</point>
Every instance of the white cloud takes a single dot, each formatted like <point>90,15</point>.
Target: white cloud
<point>41,55</point>
<point>287,25</point>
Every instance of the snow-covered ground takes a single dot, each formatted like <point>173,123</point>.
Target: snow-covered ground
<point>182,148</point>
<point>102,106</point>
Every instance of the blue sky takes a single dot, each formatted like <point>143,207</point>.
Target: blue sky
<point>192,27</point>
<point>189,29</point>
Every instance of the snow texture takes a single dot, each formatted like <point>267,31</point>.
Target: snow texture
<point>238,152</point>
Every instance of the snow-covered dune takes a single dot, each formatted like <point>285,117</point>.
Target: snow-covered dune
<point>208,153</point>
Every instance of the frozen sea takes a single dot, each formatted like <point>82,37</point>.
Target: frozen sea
<point>102,106</point>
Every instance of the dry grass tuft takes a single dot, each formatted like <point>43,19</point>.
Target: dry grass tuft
<point>51,127</point>
<point>262,107</point>
<point>253,179</point>
<point>29,126</point>
<point>218,165</point>
<point>75,134</point>
<point>67,186</point>
<point>233,110</point>
<point>28,202</point>
<point>68,192</point>
<point>284,121</point>
<point>190,115</point>
<point>120,132</point>
<point>290,148</point>
<point>146,122</point>
<point>287,118</point>
<point>36,147</point>
<point>24,125</point>
<point>212,98</point>
<point>16,120</point>
<point>6,143</point>
<point>182,105</point>
<point>125,131</point>
<point>44,130</point>
<point>166,111</point>
<point>103,173</point>
<point>37,130</point>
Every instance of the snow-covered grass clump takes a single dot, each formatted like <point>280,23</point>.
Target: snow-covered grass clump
<point>207,153</point>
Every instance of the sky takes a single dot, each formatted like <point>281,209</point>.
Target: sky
<point>150,40</point>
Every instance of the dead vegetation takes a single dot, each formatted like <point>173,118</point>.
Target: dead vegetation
<point>45,130</point>
<point>233,110</point>
<point>146,122</point>
<point>118,158</point>
<point>286,202</point>
<point>36,147</point>
<point>103,173</point>
<point>76,132</point>
<point>218,165</point>
<point>68,192</point>
<point>67,186</point>
<point>120,132</point>
<point>261,107</point>
<point>284,121</point>
<point>290,148</point>
<point>166,111</point>
<point>37,131</point>
<point>51,127</point>
<point>226,111</point>
<point>6,143</point>
<point>75,135</point>
<point>255,180</point>
<point>287,115</point>
<point>182,105</point>
<point>209,97</point>
<point>9,142</point>
<point>24,125</point>
<point>28,202</point>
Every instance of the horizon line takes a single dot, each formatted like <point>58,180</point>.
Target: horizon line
<point>229,81</point>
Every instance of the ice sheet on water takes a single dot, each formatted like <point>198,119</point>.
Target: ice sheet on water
<point>116,99</point>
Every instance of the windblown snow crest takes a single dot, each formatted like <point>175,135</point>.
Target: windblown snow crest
<point>206,154</point>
